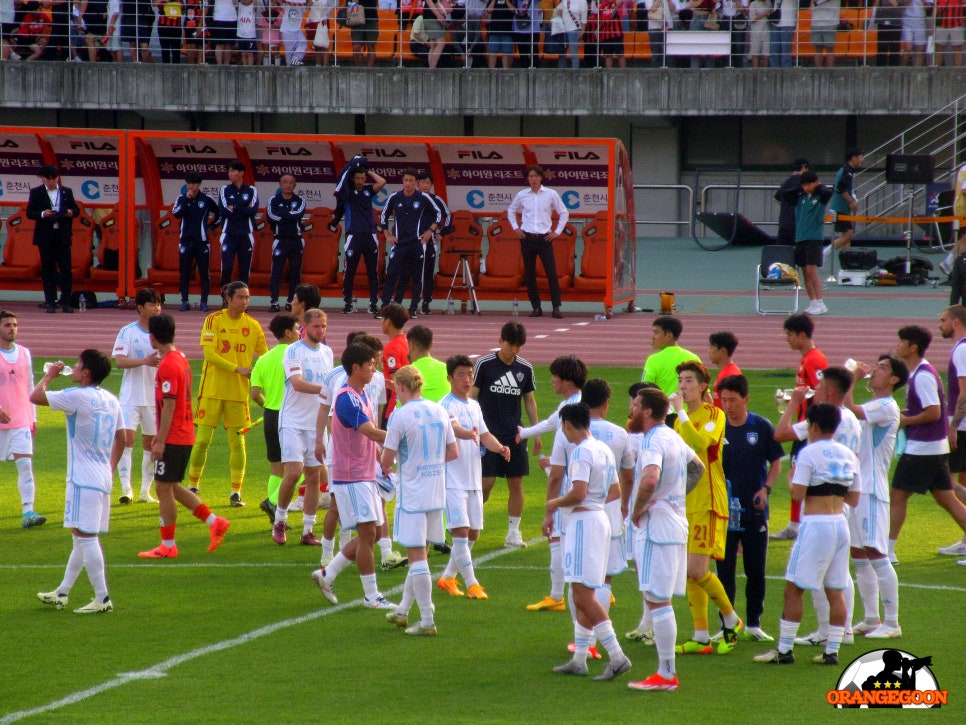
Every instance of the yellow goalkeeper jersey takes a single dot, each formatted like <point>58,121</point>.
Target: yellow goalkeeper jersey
<point>704,432</point>
<point>228,344</point>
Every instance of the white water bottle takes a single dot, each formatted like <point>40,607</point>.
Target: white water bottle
<point>516,307</point>
<point>83,303</point>
<point>450,310</point>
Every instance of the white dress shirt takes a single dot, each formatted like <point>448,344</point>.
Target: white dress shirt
<point>536,210</point>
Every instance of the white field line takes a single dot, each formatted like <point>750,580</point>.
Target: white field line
<point>161,668</point>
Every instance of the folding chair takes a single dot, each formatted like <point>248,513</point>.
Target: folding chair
<point>775,254</point>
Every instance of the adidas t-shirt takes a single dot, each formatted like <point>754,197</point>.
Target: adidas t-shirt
<point>502,388</point>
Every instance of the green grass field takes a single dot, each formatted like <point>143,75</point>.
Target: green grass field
<point>242,635</point>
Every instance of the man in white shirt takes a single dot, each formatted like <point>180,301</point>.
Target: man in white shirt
<point>139,361</point>
<point>535,207</point>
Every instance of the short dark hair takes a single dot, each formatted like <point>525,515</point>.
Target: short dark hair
<point>514,333</point>
<point>49,171</point>
<point>370,341</point>
<point>396,314</point>
<point>570,367</point>
<point>670,325</point>
<point>4,314</point>
<point>595,393</point>
<point>353,336</point>
<point>735,384</point>
<point>899,370</point>
<point>192,177</point>
<point>825,415</point>
<point>421,335</point>
<point>231,288</point>
<point>97,363</point>
<point>852,152</point>
<point>423,174</point>
<point>800,163</point>
<point>237,165</point>
<point>724,339</point>
<point>162,327</point>
<point>840,378</point>
<point>457,361</point>
<point>577,414</point>
<point>916,335</point>
<point>356,354</point>
<point>145,295</point>
<point>697,367</point>
<point>639,386</point>
<point>809,177</point>
<point>536,167</point>
<point>308,295</point>
<point>282,323</point>
<point>409,171</point>
<point>799,323</point>
<point>654,400</point>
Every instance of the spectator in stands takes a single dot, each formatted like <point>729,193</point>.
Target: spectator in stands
<point>700,15</point>
<point>317,29</point>
<point>246,30</point>
<point>194,31</point>
<point>526,32</point>
<point>825,23</point>
<point>32,34</point>
<point>499,32</point>
<point>914,33</point>
<point>170,33</point>
<point>364,36</point>
<point>434,30</point>
<point>783,33</point>
<point>734,17</point>
<point>949,32</point>
<point>58,44</point>
<point>573,17</point>
<point>659,21</point>
<point>112,36</point>
<point>758,13</point>
<point>475,11</point>
<point>224,30</point>
<point>611,33</point>
<point>94,18</point>
<point>53,208</point>
<point>887,21</point>
<point>293,37</point>
<point>7,28</point>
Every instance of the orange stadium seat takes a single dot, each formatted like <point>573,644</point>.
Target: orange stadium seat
<point>109,246</point>
<point>467,236</point>
<point>504,263</point>
<point>261,271</point>
<point>320,262</point>
<point>21,260</point>
<point>165,263</point>
<point>593,260</point>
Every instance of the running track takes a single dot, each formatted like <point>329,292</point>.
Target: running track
<point>623,340</point>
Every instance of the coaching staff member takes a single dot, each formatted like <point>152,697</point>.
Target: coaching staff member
<point>535,205</point>
<point>53,207</point>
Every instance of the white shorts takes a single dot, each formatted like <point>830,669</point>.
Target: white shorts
<point>662,569</point>
<point>949,36</point>
<point>140,415</point>
<point>914,31</point>
<point>869,524</point>
<point>87,510</point>
<point>820,555</point>
<point>15,441</point>
<point>414,529</point>
<point>358,503</point>
<point>464,508</point>
<point>298,446</point>
<point>586,546</point>
<point>617,554</point>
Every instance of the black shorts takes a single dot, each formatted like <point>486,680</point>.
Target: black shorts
<point>8,30</point>
<point>366,35</point>
<point>171,468</point>
<point>796,449</point>
<point>247,45</point>
<point>809,252</point>
<point>273,447</point>
<point>957,458</point>
<point>843,226</point>
<point>517,467</point>
<point>223,32</point>
<point>920,474</point>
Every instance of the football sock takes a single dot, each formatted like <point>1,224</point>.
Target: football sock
<point>25,483</point>
<point>308,522</point>
<point>124,470</point>
<point>665,635</point>
<point>237,458</point>
<point>75,565</point>
<point>698,603</point>
<point>787,631</point>
<point>464,560</point>
<point>328,546</point>
<point>716,593</point>
<point>345,536</point>
<point>583,639</point>
<point>888,590</point>
<point>849,603</point>
<point>604,631</point>
<point>834,639</point>
<point>167,535</point>
<point>556,570</point>
<point>335,567</point>
<point>94,563</point>
<point>514,524</point>
<point>281,514</point>
<point>273,483</point>
<point>369,585</point>
<point>199,453</point>
<point>820,602</point>
<point>147,472</point>
<point>408,595</point>
<point>868,584</point>
<point>602,595</point>
<point>423,587</point>
<point>201,513</point>
<point>646,622</point>
<point>385,547</point>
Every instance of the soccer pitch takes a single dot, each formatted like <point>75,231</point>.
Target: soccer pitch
<point>243,635</point>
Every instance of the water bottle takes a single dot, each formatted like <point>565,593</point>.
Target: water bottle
<point>600,318</point>
<point>83,303</point>
<point>463,307</point>
<point>450,309</point>
<point>735,510</point>
<point>516,307</point>
<point>67,370</point>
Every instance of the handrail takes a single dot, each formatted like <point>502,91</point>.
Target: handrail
<point>667,187</point>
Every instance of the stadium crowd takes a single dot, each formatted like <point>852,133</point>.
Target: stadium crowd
<point>481,33</point>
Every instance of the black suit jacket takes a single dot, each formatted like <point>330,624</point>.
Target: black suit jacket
<point>44,233</point>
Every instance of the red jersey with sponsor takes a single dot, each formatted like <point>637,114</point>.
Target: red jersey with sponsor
<point>726,372</point>
<point>394,356</point>
<point>813,362</point>
<point>174,381</point>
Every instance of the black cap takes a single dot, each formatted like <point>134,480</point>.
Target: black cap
<point>799,163</point>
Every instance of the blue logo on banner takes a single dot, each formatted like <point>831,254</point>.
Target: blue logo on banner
<point>90,189</point>
<point>571,199</point>
<point>381,198</point>
<point>476,199</point>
